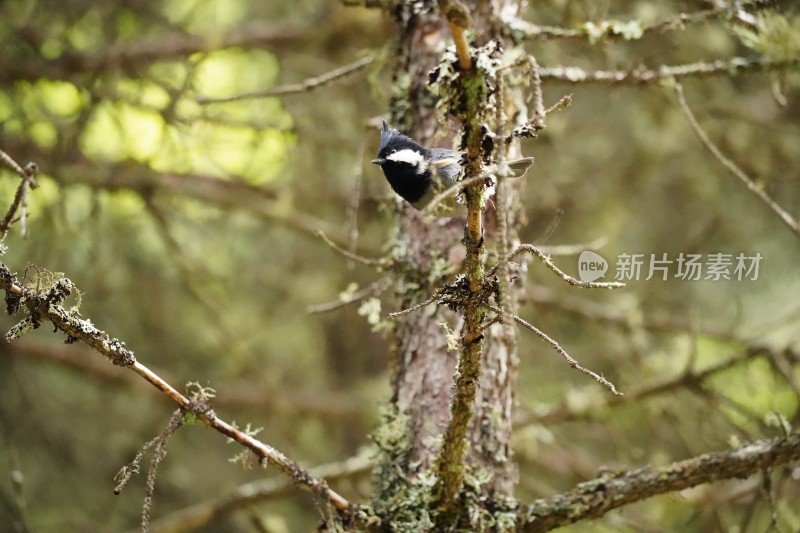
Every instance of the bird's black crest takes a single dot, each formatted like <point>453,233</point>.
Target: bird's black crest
<point>391,139</point>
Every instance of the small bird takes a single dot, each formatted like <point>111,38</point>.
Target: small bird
<point>419,174</point>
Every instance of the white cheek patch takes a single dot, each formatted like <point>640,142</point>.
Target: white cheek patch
<point>412,157</point>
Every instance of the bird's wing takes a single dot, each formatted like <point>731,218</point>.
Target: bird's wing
<point>444,153</point>
<point>447,163</point>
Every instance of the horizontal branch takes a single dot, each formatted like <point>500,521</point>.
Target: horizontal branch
<point>144,52</point>
<point>142,179</point>
<point>595,498</point>
<point>736,65</point>
<point>595,32</point>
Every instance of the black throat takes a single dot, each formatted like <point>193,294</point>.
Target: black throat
<point>405,181</point>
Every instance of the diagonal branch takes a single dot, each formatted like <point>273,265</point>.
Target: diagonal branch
<point>544,258</point>
<point>27,182</point>
<point>563,353</point>
<point>732,167</point>
<point>43,306</point>
<point>295,88</point>
<point>595,498</point>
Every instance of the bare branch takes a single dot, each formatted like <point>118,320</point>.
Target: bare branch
<point>685,379</point>
<point>529,248</point>
<point>731,166</point>
<point>448,192</point>
<point>563,353</point>
<point>27,182</point>
<point>295,88</point>
<point>142,179</point>
<point>398,314</point>
<point>573,249</point>
<point>373,289</point>
<point>459,21</point>
<point>382,262</point>
<point>146,51</point>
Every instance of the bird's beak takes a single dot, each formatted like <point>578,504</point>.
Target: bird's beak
<point>378,161</point>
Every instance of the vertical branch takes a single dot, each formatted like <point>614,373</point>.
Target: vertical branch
<point>458,19</point>
<point>450,465</point>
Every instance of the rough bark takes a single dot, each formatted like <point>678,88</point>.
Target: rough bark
<point>423,368</point>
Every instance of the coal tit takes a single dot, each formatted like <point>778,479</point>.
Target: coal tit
<point>419,174</point>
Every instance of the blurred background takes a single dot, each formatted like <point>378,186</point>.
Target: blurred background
<point>190,229</point>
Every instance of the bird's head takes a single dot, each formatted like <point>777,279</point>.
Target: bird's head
<point>400,154</point>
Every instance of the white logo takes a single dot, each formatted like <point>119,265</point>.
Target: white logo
<point>591,266</point>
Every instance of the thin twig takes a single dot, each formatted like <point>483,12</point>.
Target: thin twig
<point>9,162</point>
<point>448,192</point>
<point>566,412</point>
<point>538,97</point>
<point>20,202</point>
<point>350,255</point>
<point>563,103</point>
<point>373,289</point>
<point>398,314</point>
<point>529,248</point>
<point>731,166</point>
<point>572,362</point>
<point>573,249</point>
<point>295,88</point>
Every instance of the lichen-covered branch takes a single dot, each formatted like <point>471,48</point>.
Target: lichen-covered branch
<point>46,305</point>
<point>719,67</point>
<point>595,498</point>
<point>471,85</point>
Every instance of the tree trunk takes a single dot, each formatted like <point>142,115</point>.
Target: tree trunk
<point>423,367</point>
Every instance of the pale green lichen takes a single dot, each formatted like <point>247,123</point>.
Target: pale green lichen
<point>773,35</point>
<point>630,30</point>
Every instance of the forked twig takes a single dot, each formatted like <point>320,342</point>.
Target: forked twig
<point>529,248</point>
